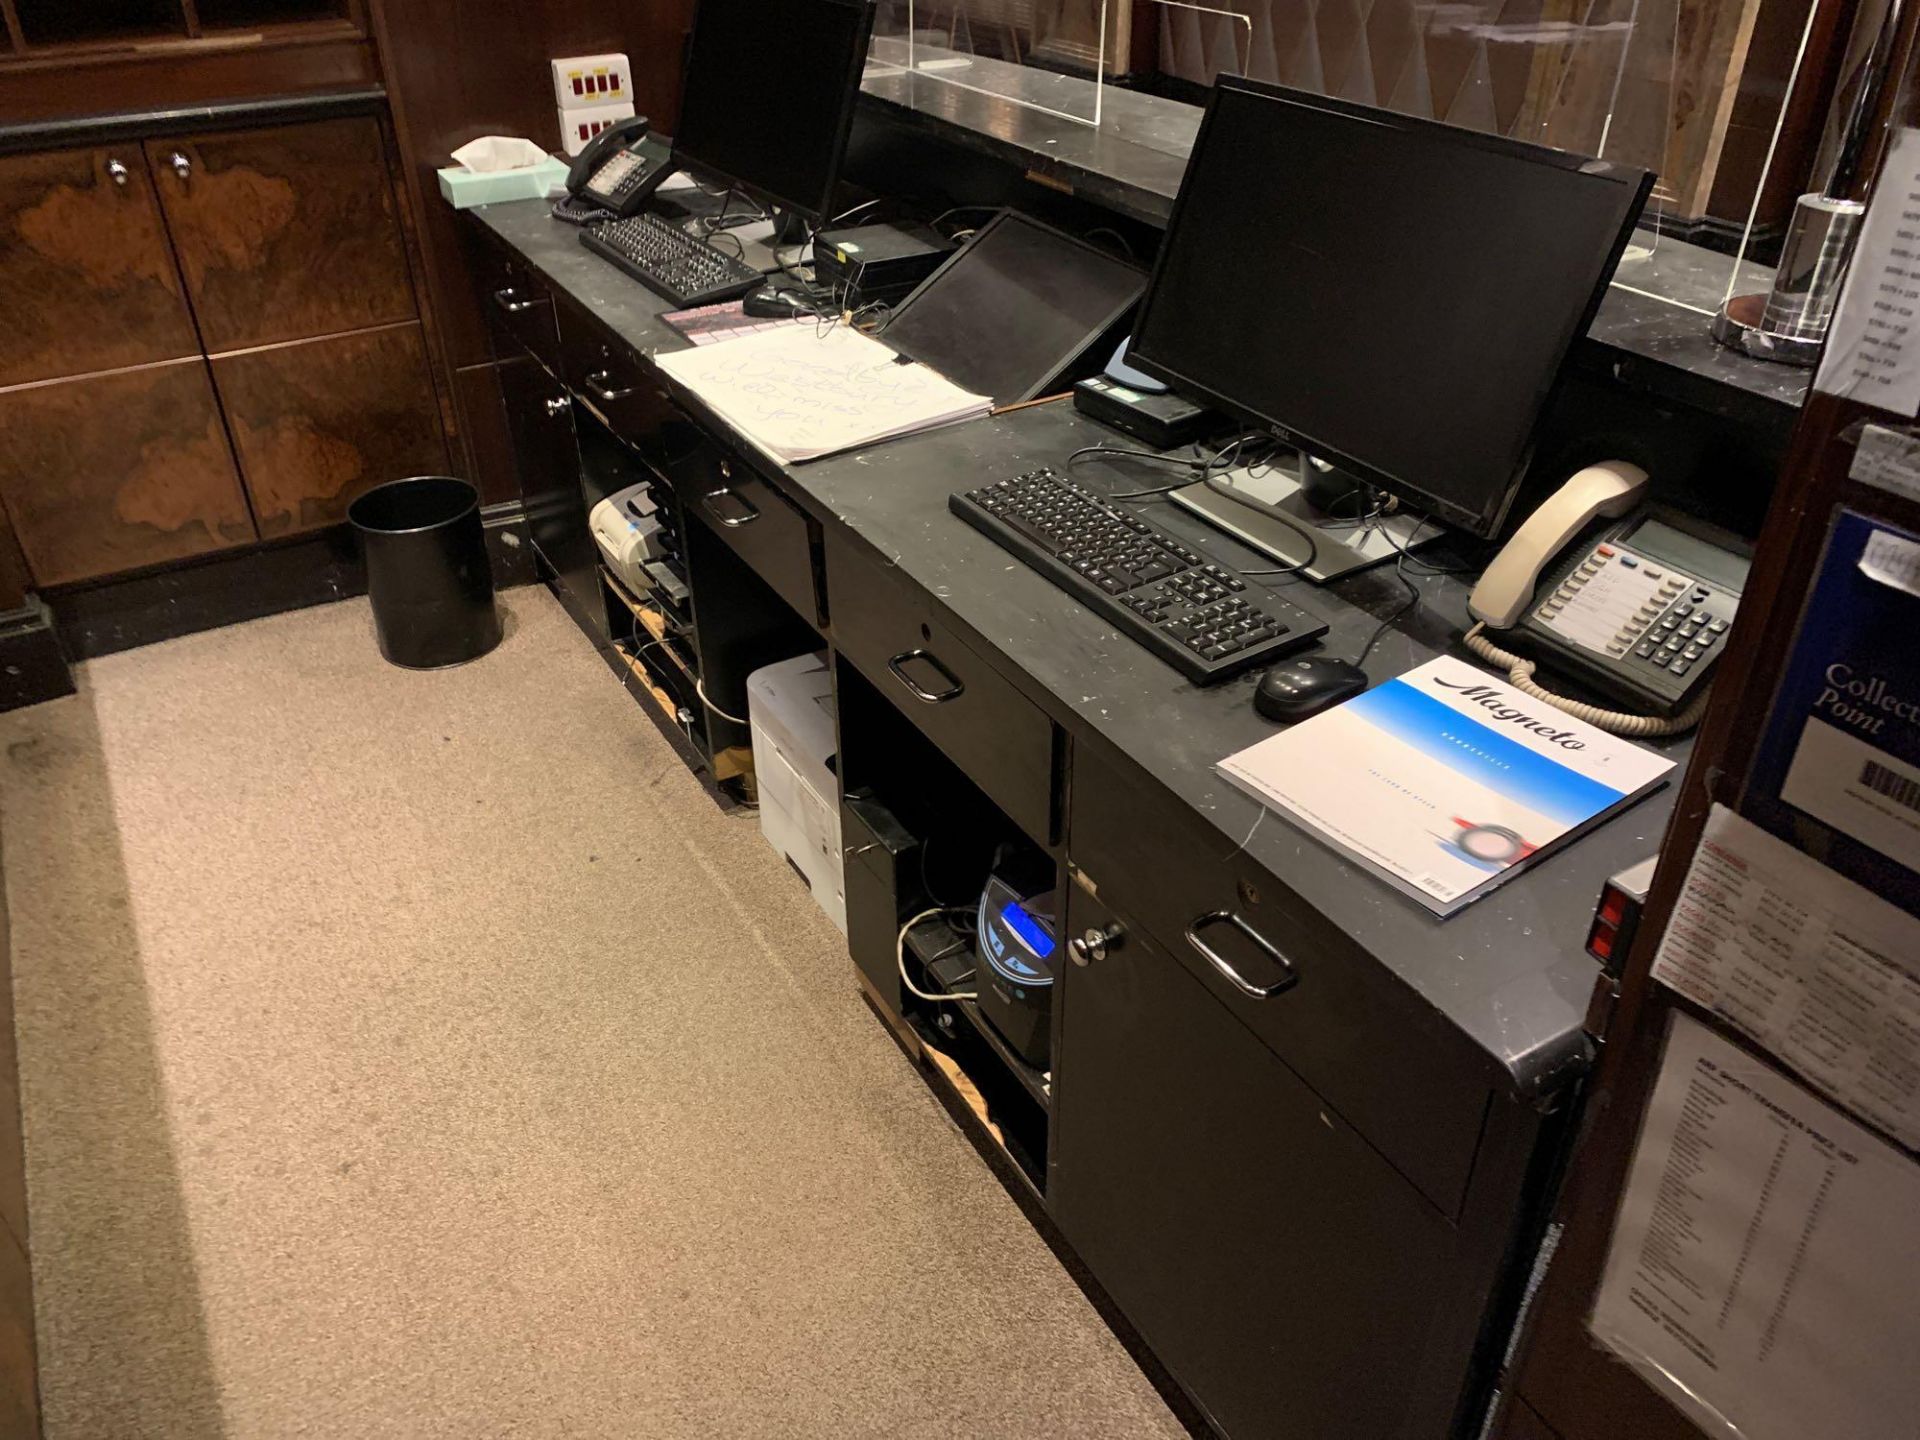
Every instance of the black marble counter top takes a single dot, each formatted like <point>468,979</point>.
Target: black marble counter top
<point>1509,972</point>
<point>1654,320</point>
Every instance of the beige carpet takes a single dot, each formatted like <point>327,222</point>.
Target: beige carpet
<point>425,1055</point>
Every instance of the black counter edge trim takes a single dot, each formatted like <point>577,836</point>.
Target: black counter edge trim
<point>123,124</point>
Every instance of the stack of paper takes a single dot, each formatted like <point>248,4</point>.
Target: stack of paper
<point>1446,781</point>
<point>799,393</point>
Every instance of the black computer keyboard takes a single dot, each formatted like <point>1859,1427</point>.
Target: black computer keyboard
<point>1203,619</point>
<point>669,261</point>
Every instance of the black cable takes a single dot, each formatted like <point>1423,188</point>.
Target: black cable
<point>719,221</point>
<point>1150,456</point>
<point>1411,602</point>
<point>1423,568</point>
<point>1271,512</point>
<point>738,244</point>
<point>1121,240</point>
<point>934,224</point>
<point>788,267</point>
<point>1157,456</point>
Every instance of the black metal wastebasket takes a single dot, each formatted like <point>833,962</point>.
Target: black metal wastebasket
<point>427,571</point>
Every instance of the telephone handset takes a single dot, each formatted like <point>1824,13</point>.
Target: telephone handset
<point>620,168</point>
<point>1636,601</point>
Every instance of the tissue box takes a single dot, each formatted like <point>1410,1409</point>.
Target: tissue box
<point>464,189</point>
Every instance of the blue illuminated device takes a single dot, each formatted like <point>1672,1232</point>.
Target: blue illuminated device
<point>1016,944</point>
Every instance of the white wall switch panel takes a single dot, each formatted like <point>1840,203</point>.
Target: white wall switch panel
<point>577,127</point>
<point>582,81</point>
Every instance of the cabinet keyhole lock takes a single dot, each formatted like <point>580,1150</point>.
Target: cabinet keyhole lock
<point>1094,944</point>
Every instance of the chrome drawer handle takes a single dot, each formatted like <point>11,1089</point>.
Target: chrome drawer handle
<point>1289,977</point>
<point>118,173</point>
<point>920,692</point>
<point>504,299</point>
<point>182,166</point>
<point>732,522</point>
<point>597,386</point>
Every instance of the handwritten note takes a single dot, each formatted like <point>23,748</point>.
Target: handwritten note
<point>1892,560</point>
<point>798,393</point>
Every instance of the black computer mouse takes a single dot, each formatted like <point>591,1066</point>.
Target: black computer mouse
<point>1295,689</point>
<point>771,302</point>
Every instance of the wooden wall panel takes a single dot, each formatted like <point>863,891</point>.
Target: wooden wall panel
<point>316,424</point>
<point>287,232</point>
<point>461,68</point>
<point>87,281</point>
<point>238,67</point>
<point>90,499</point>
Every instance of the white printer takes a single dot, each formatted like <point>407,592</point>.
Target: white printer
<point>626,527</point>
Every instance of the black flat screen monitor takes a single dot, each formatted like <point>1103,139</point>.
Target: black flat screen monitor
<point>1392,295</point>
<point>769,95</point>
<point>1016,310</point>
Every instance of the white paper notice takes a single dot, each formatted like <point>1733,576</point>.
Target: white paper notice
<point>1763,1260</point>
<point>1872,795</point>
<point>1889,459</point>
<point>1814,967</point>
<point>1873,348</point>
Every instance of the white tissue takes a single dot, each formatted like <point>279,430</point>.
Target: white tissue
<point>492,153</point>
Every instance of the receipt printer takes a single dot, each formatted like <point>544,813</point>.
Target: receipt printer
<point>627,530</point>
<point>1014,980</point>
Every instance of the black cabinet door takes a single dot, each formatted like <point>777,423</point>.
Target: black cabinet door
<point>1290,1279</point>
<point>540,420</point>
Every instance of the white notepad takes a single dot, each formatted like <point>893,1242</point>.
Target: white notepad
<point>798,393</point>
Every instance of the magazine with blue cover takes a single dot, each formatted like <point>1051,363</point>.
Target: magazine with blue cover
<point>1446,780</point>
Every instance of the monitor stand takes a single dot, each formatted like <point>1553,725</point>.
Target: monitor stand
<point>1342,545</point>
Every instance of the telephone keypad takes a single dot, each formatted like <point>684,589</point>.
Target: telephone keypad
<point>1635,611</point>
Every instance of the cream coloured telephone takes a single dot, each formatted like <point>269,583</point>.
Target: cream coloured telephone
<point>1636,600</point>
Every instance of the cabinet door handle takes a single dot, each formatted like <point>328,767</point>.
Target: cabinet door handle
<point>182,166</point>
<point>598,387</point>
<point>1288,975</point>
<point>920,692</point>
<point>557,405</point>
<point>506,301</point>
<point>732,522</point>
<point>118,173</point>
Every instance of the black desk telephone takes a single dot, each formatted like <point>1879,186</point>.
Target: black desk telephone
<point>1636,600</point>
<point>615,174</point>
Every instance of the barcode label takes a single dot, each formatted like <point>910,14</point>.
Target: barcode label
<point>1900,789</point>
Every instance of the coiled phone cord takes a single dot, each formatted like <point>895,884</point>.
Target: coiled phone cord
<point>1619,722</point>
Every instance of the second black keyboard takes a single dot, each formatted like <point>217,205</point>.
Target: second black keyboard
<point>1204,620</point>
<point>669,261</point>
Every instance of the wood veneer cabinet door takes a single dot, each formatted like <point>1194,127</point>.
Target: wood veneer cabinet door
<point>86,279</point>
<point>317,423</point>
<point>112,472</point>
<point>285,233</point>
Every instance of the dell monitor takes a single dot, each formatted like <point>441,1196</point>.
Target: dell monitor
<point>769,95</point>
<point>1390,295</point>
